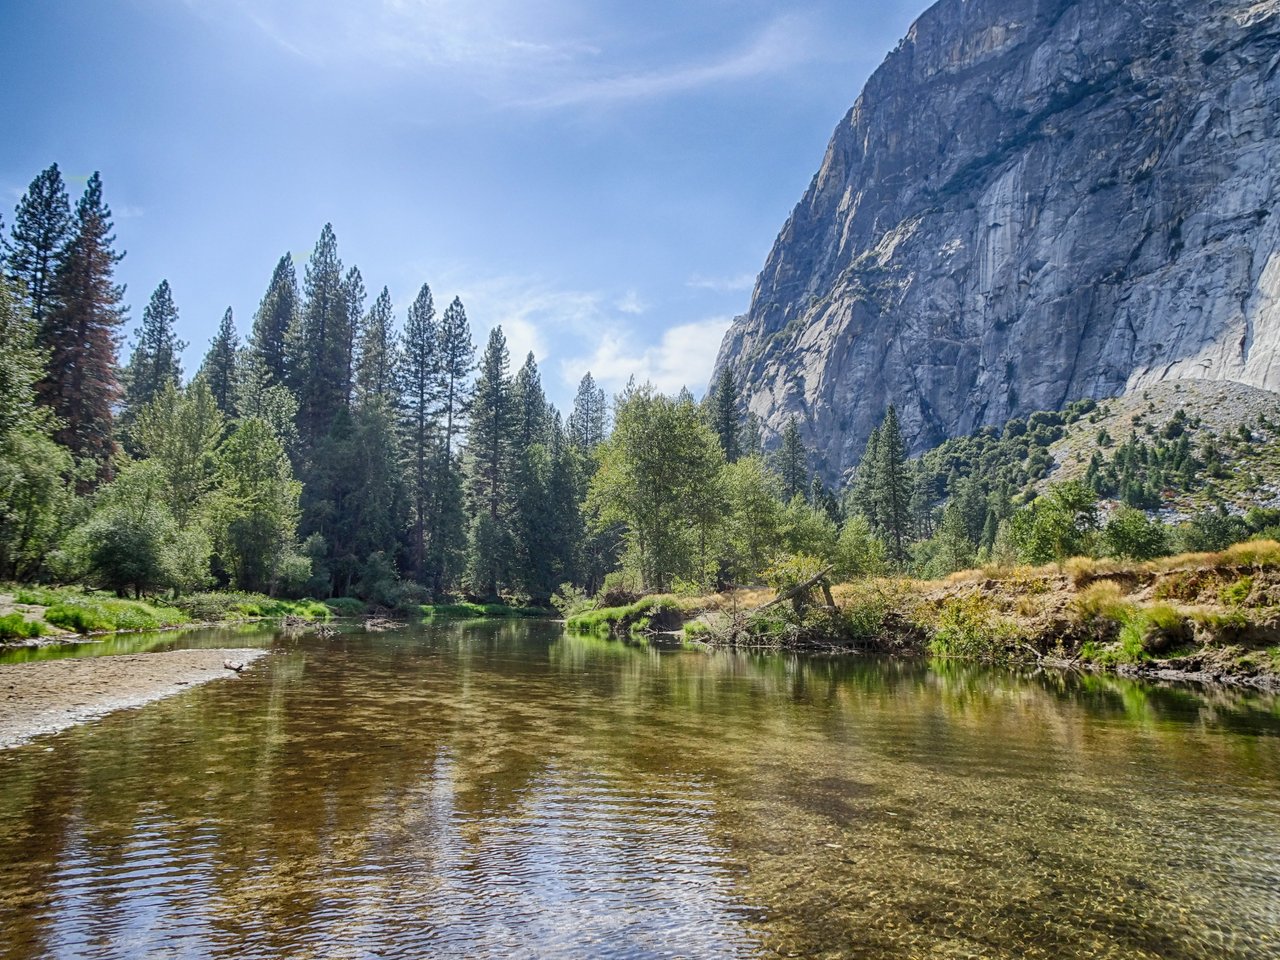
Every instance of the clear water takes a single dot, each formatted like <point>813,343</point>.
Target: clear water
<point>482,790</point>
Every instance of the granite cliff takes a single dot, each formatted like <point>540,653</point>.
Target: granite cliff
<point>1032,201</point>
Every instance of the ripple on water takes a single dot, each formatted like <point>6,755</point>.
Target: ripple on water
<point>506,791</point>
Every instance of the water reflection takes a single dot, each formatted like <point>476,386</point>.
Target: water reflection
<point>508,790</point>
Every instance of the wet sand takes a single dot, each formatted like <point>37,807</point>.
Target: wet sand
<point>48,696</point>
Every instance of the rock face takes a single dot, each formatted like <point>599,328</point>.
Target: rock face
<point>1031,202</point>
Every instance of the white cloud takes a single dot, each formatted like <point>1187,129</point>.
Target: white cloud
<point>743,281</point>
<point>682,358</point>
<point>780,45</point>
<point>630,303</point>
<point>539,56</point>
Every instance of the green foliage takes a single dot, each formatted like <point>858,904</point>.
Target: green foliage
<point>971,627</point>
<point>131,541</point>
<point>98,613</point>
<point>858,552</point>
<point>1131,535</point>
<point>1058,525</point>
<point>1236,594</point>
<point>239,605</point>
<point>659,479</point>
<point>475,611</point>
<point>14,626</point>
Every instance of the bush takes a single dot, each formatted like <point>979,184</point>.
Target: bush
<point>14,626</point>
<point>1131,535</point>
<point>972,627</point>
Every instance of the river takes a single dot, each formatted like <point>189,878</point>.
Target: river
<point>507,790</point>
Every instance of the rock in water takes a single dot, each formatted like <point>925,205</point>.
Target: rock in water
<point>236,665</point>
<point>1031,202</point>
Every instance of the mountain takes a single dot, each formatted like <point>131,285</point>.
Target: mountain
<point>1032,202</point>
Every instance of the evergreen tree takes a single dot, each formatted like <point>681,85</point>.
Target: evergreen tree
<point>155,359</point>
<point>42,227</point>
<point>353,289</point>
<point>376,366</point>
<point>892,491</point>
<point>320,361</point>
<point>82,383</point>
<point>725,420</point>
<point>491,440</point>
<point>449,525</point>
<point>862,494</point>
<point>457,359</point>
<point>420,394</point>
<point>219,367</point>
<point>532,415</point>
<point>587,421</point>
<point>277,315</point>
<point>792,462</point>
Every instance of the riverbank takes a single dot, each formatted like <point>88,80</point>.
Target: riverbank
<point>52,695</point>
<point>1202,617</point>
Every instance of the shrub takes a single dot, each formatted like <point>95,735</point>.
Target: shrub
<point>1103,600</point>
<point>971,627</point>
<point>346,606</point>
<point>1236,594</point>
<point>95,614</point>
<point>14,626</point>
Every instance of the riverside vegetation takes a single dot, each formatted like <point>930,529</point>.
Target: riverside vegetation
<point>334,463</point>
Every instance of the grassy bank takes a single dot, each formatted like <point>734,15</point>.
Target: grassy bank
<point>1201,616</point>
<point>30,612</point>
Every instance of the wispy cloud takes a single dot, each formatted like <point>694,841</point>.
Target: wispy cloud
<point>743,281</point>
<point>779,46</point>
<point>631,304</point>
<point>682,358</point>
<point>519,55</point>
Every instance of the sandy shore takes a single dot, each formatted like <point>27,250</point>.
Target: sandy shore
<point>44,697</point>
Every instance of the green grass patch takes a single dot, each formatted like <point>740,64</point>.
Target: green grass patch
<point>633,617</point>
<point>217,607</point>
<point>14,626</point>
<point>99,613</point>
<point>478,611</point>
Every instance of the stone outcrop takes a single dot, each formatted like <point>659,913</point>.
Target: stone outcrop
<point>1031,202</point>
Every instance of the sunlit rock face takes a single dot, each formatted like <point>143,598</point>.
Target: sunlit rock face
<point>1031,202</point>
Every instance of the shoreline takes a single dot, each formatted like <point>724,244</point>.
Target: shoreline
<point>50,696</point>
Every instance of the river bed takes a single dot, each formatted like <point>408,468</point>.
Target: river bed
<point>508,790</point>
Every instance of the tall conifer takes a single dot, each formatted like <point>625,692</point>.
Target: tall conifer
<point>42,227</point>
<point>220,363</point>
<point>155,360</point>
<point>82,383</point>
<point>724,414</point>
<point>277,315</point>
<point>420,395</point>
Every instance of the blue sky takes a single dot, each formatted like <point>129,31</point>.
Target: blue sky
<point>603,179</point>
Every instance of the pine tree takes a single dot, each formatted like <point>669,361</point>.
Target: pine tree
<point>725,420</point>
<point>376,365</point>
<point>277,315</point>
<point>219,367</point>
<point>862,494</point>
<point>320,360</point>
<point>532,414</point>
<point>353,289</point>
<point>82,383</point>
<point>490,442</point>
<point>155,362</point>
<point>420,393</point>
<point>587,421</point>
<point>792,462</point>
<point>457,355</point>
<point>42,228</point>
<point>893,485</point>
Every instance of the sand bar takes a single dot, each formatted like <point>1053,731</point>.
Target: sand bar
<point>51,695</point>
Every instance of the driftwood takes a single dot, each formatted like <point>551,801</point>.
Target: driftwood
<point>378,624</point>
<point>737,624</point>
<point>324,631</point>
<point>798,589</point>
<point>234,665</point>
